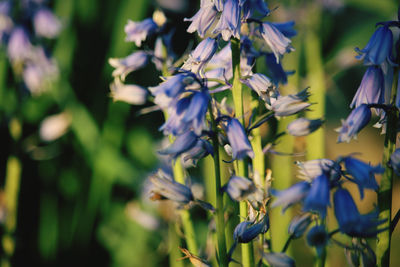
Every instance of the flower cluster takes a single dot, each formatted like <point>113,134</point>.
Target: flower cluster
<point>24,28</point>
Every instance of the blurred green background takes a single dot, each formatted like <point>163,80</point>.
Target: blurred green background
<point>81,197</point>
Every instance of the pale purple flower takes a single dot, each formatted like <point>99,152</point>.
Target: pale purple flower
<point>252,6</point>
<point>299,224</point>
<point>276,40</point>
<point>313,168</point>
<point>199,151</point>
<point>167,188</point>
<point>317,198</point>
<point>128,93</point>
<point>182,143</point>
<point>262,85</point>
<point>239,188</point>
<point>290,196</point>
<point>46,24</point>
<point>354,123</point>
<point>276,259</point>
<point>124,66</point>
<point>291,104</point>
<point>137,32</point>
<point>238,140</point>
<point>203,19</point>
<point>19,46</point>
<point>203,53</point>
<point>303,126</point>
<point>229,22</point>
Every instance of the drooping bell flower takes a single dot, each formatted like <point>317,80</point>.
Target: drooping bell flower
<point>378,48</point>
<point>286,28</point>
<point>124,66</point>
<point>276,40</point>
<point>129,93</point>
<point>262,85</point>
<point>279,259</point>
<point>354,123</point>
<point>238,139</point>
<point>290,196</point>
<point>303,126</point>
<point>311,169</point>
<point>238,188</point>
<point>229,22</point>
<point>182,143</point>
<point>291,104</point>
<point>299,225</point>
<point>199,151</point>
<point>317,199</point>
<point>255,6</point>
<point>246,231</point>
<point>138,32</point>
<point>203,19</point>
<point>275,70</point>
<point>204,51</point>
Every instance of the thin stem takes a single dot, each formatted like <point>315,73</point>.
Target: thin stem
<point>385,189</point>
<point>237,93</point>
<point>220,220</point>
<point>286,246</point>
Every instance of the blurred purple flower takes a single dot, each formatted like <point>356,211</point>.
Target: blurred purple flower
<point>354,123</point>
<point>46,24</point>
<point>303,126</point>
<point>203,19</point>
<point>238,140</point>
<point>276,40</point>
<point>137,32</point>
<point>229,22</point>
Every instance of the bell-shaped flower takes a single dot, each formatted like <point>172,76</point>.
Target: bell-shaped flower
<point>378,48</point>
<point>372,88</point>
<point>166,188</point>
<point>229,22</point>
<point>239,188</point>
<point>290,196</point>
<point>363,174</point>
<point>19,46</point>
<point>318,237</point>
<point>252,6</point>
<point>286,28</point>
<point>246,231</point>
<point>278,259</point>
<point>351,222</point>
<point>354,123</point>
<point>275,70</point>
<point>238,140</point>
<point>204,51</point>
<point>276,40</point>
<point>395,161</point>
<point>128,93</point>
<point>55,126</point>
<point>291,104</point>
<point>262,85</point>
<point>203,19</point>
<point>124,66</point>
<point>311,169</point>
<point>182,143</point>
<point>46,24</point>
<point>199,151</point>
<point>317,199</point>
<point>137,32</point>
<point>168,90</point>
<point>303,126</point>
<point>299,225</point>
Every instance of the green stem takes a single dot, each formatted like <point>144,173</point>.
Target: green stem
<point>237,93</point>
<point>219,198</point>
<point>385,189</point>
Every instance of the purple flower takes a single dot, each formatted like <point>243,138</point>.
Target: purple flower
<point>290,196</point>
<point>371,90</point>
<point>299,225</point>
<point>286,28</point>
<point>199,151</point>
<point>354,123</point>
<point>276,40</point>
<point>229,22</point>
<point>182,143</point>
<point>378,48</point>
<point>124,66</point>
<point>128,93</point>
<point>238,140</point>
<point>246,231</point>
<point>313,168</point>
<point>196,111</point>
<point>203,19</point>
<point>137,32</point>
<point>251,6</point>
<point>262,85</point>
<point>46,24</point>
<point>165,187</point>
<point>395,161</point>
<point>291,104</point>
<point>239,188</point>
<point>303,126</point>
<point>363,174</point>
<point>275,70</point>
<point>19,45</point>
<point>276,259</point>
<point>317,198</point>
<point>317,237</point>
<point>204,51</point>
<point>351,222</point>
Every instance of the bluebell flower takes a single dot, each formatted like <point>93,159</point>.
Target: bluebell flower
<point>204,51</point>
<point>168,90</point>
<point>248,56</point>
<point>363,174</point>
<point>303,126</point>
<point>354,123</point>
<point>138,32</point>
<point>203,19</point>
<point>229,22</point>
<point>276,259</point>
<point>46,24</point>
<point>276,40</point>
<point>275,70</point>
<point>318,237</point>
<point>299,225</point>
<point>317,198</point>
<point>351,222</point>
<point>166,187</point>
<point>371,90</point>
<point>291,104</point>
<point>124,66</point>
<point>196,111</point>
<point>246,231</point>
<point>128,93</point>
<point>19,46</point>
<point>199,151</point>
<point>182,143</point>
<point>286,28</point>
<point>219,5</point>
<point>251,6</point>
<point>378,48</point>
<point>313,168</point>
<point>239,188</point>
<point>262,85</point>
<point>395,161</point>
<point>290,196</point>
<point>238,140</point>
